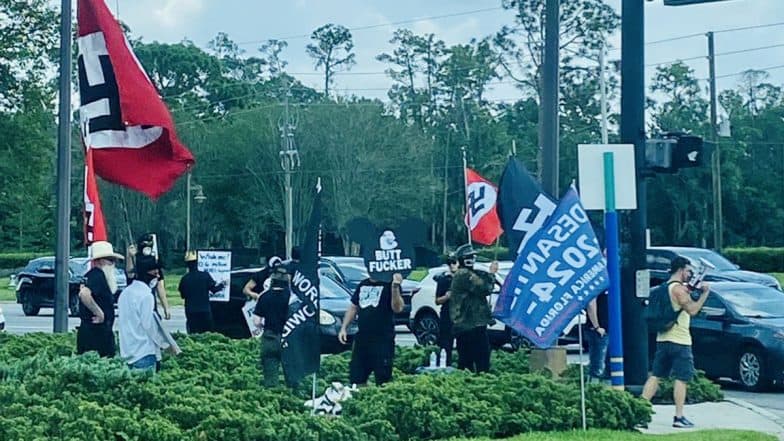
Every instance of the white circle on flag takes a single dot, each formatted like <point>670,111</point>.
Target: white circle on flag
<point>480,200</point>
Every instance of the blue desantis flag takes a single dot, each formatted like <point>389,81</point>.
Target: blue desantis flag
<point>522,206</point>
<point>560,270</point>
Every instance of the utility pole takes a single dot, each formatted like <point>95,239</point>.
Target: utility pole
<point>63,248</point>
<point>446,193</point>
<point>635,332</point>
<point>289,160</point>
<point>718,221</point>
<point>549,122</point>
<point>603,87</point>
<point>188,213</point>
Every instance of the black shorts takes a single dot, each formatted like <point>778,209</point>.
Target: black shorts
<point>374,356</point>
<point>673,360</point>
<point>95,337</point>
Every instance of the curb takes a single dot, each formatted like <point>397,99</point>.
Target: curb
<point>758,410</point>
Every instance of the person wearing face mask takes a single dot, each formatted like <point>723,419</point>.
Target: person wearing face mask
<point>146,247</point>
<point>139,342</point>
<point>443,293</point>
<point>195,288</point>
<point>470,311</point>
<point>273,307</point>
<point>96,296</point>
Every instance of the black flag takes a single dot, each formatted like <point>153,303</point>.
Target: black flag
<point>523,206</point>
<point>300,339</point>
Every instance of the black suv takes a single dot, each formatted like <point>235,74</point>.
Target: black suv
<point>35,284</point>
<point>659,258</point>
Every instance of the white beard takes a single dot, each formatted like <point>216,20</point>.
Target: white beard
<point>111,277</point>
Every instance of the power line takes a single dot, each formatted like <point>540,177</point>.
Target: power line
<point>720,54</point>
<point>702,34</point>
<point>766,69</point>
<point>380,25</point>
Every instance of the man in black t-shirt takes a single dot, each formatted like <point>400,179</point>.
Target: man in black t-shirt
<point>374,344</point>
<point>96,308</point>
<point>446,340</point>
<point>596,334</point>
<point>273,308</point>
<point>255,286</point>
<point>195,288</point>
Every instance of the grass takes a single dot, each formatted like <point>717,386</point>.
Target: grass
<point>602,435</point>
<point>418,274</point>
<point>779,276</point>
<point>7,293</point>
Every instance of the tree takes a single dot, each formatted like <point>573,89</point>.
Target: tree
<point>332,49</point>
<point>584,26</point>
<point>271,51</point>
<point>27,49</point>
<point>679,204</point>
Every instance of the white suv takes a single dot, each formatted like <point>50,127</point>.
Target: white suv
<point>424,311</point>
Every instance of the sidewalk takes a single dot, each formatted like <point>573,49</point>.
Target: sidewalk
<point>730,414</point>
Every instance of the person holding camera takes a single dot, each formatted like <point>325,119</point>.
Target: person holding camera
<point>673,346</point>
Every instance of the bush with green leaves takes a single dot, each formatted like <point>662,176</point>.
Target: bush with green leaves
<point>212,391</point>
<point>761,259</point>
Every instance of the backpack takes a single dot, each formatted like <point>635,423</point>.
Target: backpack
<point>659,314</point>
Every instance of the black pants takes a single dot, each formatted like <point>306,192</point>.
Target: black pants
<point>199,322</point>
<point>99,338</point>
<point>473,350</point>
<point>446,340</point>
<point>271,352</point>
<point>371,355</point>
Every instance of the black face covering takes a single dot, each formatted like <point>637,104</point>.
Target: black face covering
<point>145,278</point>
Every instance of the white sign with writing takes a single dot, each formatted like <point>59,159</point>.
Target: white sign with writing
<point>218,264</point>
<point>247,312</point>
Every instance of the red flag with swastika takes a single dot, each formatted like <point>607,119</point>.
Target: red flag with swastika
<point>123,119</point>
<point>481,216</point>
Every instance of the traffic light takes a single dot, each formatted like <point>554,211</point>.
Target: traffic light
<point>674,151</point>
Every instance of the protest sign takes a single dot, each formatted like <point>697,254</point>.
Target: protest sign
<point>218,264</point>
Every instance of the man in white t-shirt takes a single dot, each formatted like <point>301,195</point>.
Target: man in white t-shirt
<point>139,338</point>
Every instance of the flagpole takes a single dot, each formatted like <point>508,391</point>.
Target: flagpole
<point>465,199</point>
<point>63,173</point>
<point>318,308</point>
<point>582,375</point>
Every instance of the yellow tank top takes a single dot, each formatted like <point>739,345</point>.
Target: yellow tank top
<point>679,333</point>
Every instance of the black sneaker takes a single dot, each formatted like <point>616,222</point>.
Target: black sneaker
<point>682,423</point>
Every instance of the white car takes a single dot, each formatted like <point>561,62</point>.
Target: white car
<point>2,320</point>
<point>425,312</point>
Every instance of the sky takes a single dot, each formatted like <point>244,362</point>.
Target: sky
<point>251,22</point>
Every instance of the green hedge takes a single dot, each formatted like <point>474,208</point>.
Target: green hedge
<point>762,259</point>
<point>12,261</point>
<point>212,392</point>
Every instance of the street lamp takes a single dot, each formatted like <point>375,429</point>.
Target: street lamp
<point>199,197</point>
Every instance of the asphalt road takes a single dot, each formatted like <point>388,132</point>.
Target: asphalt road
<point>17,323</point>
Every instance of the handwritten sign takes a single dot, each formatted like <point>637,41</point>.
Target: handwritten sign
<point>218,264</point>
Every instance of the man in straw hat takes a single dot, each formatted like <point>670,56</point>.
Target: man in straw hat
<point>96,309</point>
<point>195,288</point>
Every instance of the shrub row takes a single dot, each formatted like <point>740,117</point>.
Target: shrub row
<point>12,261</point>
<point>762,259</point>
<point>213,391</point>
